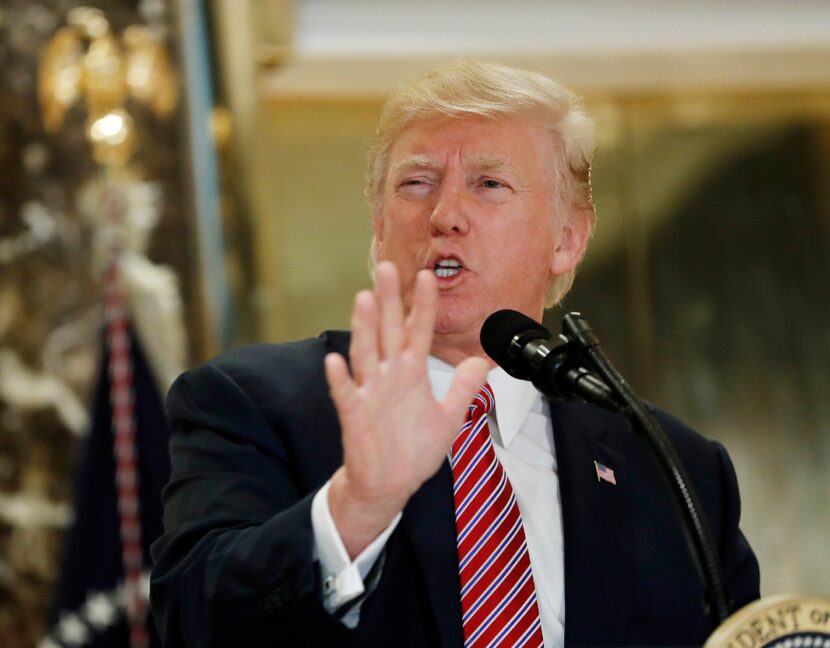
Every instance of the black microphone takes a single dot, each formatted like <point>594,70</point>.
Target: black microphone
<point>526,350</point>
<point>557,367</point>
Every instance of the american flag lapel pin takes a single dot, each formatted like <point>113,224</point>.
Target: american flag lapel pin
<point>604,473</point>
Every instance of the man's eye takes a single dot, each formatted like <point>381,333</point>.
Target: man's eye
<point>489,183</point>
<point>414,187</point>
<point>414,182</point>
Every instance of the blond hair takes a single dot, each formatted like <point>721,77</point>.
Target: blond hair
<point>481,89</point>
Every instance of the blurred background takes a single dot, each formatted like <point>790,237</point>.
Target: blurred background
<point>234,185</point>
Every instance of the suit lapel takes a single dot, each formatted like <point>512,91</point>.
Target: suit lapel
<point>598,547</point>
<point>429,519</point>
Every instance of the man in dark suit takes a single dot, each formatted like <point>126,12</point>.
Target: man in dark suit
<point>311,500</point>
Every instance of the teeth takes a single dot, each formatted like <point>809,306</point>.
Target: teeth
<point>447,268</point>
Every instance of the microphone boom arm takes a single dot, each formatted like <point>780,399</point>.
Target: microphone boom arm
<point>581,337</point>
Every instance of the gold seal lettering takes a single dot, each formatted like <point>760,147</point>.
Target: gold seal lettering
<point>819,616</point>
<point>793,610</point>
<point>764,623</point>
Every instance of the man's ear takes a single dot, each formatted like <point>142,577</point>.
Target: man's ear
<point>377,225</point>
<point>573,233</point>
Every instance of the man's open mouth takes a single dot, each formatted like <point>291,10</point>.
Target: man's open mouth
<point>447,268</point>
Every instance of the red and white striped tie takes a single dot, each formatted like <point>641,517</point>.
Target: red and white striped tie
<point>498,598</point>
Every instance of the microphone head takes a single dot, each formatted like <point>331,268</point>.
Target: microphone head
<point>497,335</point>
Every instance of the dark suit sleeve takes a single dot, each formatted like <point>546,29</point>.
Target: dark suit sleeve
<point>235,564</point>
<point>717,485</point>
<point>740,565</point>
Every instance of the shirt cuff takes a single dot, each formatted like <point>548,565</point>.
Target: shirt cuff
<point>342,578</point>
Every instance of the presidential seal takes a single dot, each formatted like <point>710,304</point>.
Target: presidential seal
<point>784,621</point>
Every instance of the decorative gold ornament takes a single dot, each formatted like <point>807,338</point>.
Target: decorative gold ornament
<point>148,72</point>
<point>59,77</point>
<point>112,136</point>
<point>85,60</point>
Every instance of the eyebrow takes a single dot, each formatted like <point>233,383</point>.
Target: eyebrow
<point>424,162</point>
<point>491,163</point>
<point>415,163</point>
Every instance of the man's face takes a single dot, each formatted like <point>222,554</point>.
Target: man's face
<point>472,200</point>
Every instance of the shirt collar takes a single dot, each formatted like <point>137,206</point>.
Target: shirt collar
<point>514,397</point>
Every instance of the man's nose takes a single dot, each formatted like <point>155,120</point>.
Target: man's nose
<point>451,213</point>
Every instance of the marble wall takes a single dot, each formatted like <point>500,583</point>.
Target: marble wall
<point>51,314</point>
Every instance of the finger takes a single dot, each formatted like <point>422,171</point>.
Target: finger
<point>388,292</point>
<point>420,323</point>
<point>341,386</point>
<point>363,349</point>
<point>468,380</point>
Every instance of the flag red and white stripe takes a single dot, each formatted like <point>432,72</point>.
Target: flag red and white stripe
<point>604,473</point>
<point>122,401</point>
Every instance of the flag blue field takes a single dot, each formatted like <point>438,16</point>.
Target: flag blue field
<point>90,598</point>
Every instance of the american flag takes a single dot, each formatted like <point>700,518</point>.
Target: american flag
<point>91,598</point>
<point>604,473</point>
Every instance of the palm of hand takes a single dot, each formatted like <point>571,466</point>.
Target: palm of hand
<point>395,433</point>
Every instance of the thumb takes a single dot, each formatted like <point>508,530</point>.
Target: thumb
<point>468,380</point>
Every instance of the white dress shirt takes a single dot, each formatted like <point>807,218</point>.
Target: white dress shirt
<point>522,436</point>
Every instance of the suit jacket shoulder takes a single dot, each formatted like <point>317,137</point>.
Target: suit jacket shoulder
<point>273,396</point>
<point>254,435</point>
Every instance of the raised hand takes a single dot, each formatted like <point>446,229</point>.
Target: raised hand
<point>395,434</point>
